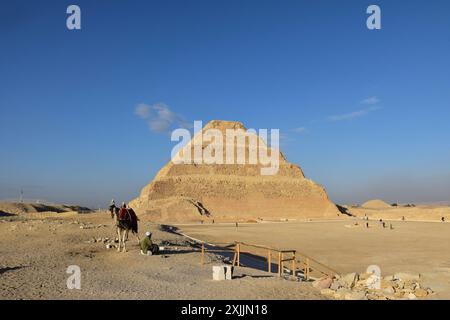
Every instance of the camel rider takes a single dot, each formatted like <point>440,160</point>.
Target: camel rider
<point>123,213</point>
<point>112,205</point>
<point>123,216</point>
<point>147,246</point>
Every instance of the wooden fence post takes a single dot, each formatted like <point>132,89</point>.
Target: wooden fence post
<point>203,253</point>
<point>307,269</point>
<point>279,264</point>
<point>238,254</point>
<point>293,264</point>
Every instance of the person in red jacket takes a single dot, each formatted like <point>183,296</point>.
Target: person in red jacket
<point>123,213</point>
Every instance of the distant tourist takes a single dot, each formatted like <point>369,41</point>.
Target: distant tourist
<point>443,219</point>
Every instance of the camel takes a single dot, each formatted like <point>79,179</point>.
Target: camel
<point>124,226</point>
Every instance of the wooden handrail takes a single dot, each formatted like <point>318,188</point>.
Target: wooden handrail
<point>263,247</point>
<point>307,263</point>
<point>330,271</point>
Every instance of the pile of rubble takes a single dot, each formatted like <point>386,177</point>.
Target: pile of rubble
<point>367,286</point>
<point>87,225</point>
<point>91,226</point>
<point>109,243</point>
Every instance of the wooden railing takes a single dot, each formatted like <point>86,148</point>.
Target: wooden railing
<point>314,269</point>
<point>279,254</point>
<point>296,264</point>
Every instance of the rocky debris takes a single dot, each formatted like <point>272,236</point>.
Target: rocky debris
<point>91,226</point>
<point>103,240</point>
<point>327,292</point>
<point>365,286</point>
<point>407,276</point>
<point>323,283</point>
<point>348,280</point>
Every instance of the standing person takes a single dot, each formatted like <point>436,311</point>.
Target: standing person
<point>112,208</point>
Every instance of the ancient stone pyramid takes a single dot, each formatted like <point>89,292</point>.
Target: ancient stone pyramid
<point>231,192</point>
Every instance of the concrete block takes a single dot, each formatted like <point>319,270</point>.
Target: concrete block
<point>222,272</point>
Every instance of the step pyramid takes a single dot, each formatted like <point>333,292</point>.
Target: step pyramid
<point>192,192</point>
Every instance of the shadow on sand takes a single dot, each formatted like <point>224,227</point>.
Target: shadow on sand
<point>6,269</point>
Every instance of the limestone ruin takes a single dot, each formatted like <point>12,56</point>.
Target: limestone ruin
<point>232,192</point>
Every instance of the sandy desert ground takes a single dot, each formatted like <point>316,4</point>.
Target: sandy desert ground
<point>36,249</point>
<point>421,247</point>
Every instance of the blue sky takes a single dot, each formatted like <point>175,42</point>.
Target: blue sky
<point>364,113</point>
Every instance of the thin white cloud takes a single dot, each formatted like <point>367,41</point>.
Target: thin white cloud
<point>371,101</point>
<point>353,115</point>
<point>159,117</point>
